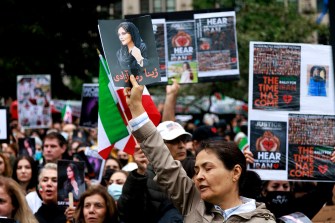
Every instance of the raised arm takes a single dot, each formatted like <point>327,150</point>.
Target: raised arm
<point>169,173</point>
<point>170,102</point>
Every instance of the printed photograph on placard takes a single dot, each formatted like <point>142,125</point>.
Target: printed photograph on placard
<point>70,177</point>
<point>97,167</point>
<point>27,146</point>
<point>181,45</point>
<point>317,80</point>
<point>4,124</point>
<point>184,72</point>
<point>34,96</point>
<point>130,48</point>
<point>276,77</point>
<point>216,42</point>
<point>159,29</point>
<point>268,144</point>
<point>311,140</point>
<point>89,106</point>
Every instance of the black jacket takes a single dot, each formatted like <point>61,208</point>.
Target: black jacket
<point>51,213</point>
<point>308,204</point>
<point>128,62</point>
<point>142,200</point>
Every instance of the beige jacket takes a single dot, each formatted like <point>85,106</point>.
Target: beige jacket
<point>181,189</point>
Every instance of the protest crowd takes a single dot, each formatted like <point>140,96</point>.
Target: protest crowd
<point>179,172</point>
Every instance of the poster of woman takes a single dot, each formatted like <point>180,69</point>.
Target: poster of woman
<point>130,48</point>
<point>27,146</point>
<point>70,179</point>
<point>34,101</point>
<point>317,81</point>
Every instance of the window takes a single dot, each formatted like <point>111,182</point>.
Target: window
<point>144,4</point>
<point>150,6</point>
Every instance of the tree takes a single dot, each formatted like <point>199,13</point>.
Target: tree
<point>53,37</point>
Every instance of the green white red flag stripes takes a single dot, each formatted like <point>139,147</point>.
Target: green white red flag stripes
<point>126,143</point>
<point>111,126</point>
<point>66,114</point>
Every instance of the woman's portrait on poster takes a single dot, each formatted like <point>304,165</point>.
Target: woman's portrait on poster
<point>317,81</point>
<point>132,55</point>
<point>74,182</point>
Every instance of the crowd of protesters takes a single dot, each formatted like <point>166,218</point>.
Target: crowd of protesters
<point>193,171</point>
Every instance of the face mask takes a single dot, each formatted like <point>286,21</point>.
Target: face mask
<point>278,202</point>
<point>38,155</point>
<point>123,161</point>
<point>115,190</point>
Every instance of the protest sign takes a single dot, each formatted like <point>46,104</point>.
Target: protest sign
<point>34,96</point>
<point>89,106</point>
<point>130,48</point>
<point>291,115</point>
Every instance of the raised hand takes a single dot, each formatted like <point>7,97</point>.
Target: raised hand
<point>141,160</point>
<point>134,97</point>
<point>249,157</point>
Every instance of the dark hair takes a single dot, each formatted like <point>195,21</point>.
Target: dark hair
<point>265,184</point>
<point>188,67</point>
<point>14,148</point>
<point>228,153</point>
<point>116,160</point>
<point>34,172</point>
<point>252,186</point>
<point>56,135</point>
<point>130,28</point>
<point>204,132</point>
<point>111,211</point>
<point>75,170</point>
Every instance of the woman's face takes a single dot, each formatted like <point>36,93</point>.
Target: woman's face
<point>118,178</point>
<point>26,143</point>
<point>275,185</point>
<point>112,164</point>
<point>69,173</point>
<point>94,209</point>
<point>212,179</point>
<point>124,36</point>
<point>8,151</point>
<point>6,206</point>
<point>2,166</point>
<point>23,171</point>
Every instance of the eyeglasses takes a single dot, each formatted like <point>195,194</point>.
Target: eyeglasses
<point>183,139</point>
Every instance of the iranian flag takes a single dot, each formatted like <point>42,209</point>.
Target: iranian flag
<point>66,114</point>
<point>128,142</point>
<point>111,125</point>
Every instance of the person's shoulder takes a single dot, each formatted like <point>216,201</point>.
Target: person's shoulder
<point>143,45</point>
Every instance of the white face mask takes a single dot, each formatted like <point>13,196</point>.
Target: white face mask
<point>115,190</point>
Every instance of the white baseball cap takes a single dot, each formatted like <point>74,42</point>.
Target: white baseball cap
<point>170,130</point>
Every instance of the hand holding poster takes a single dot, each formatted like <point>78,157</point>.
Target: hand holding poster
<point>130,48</point>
